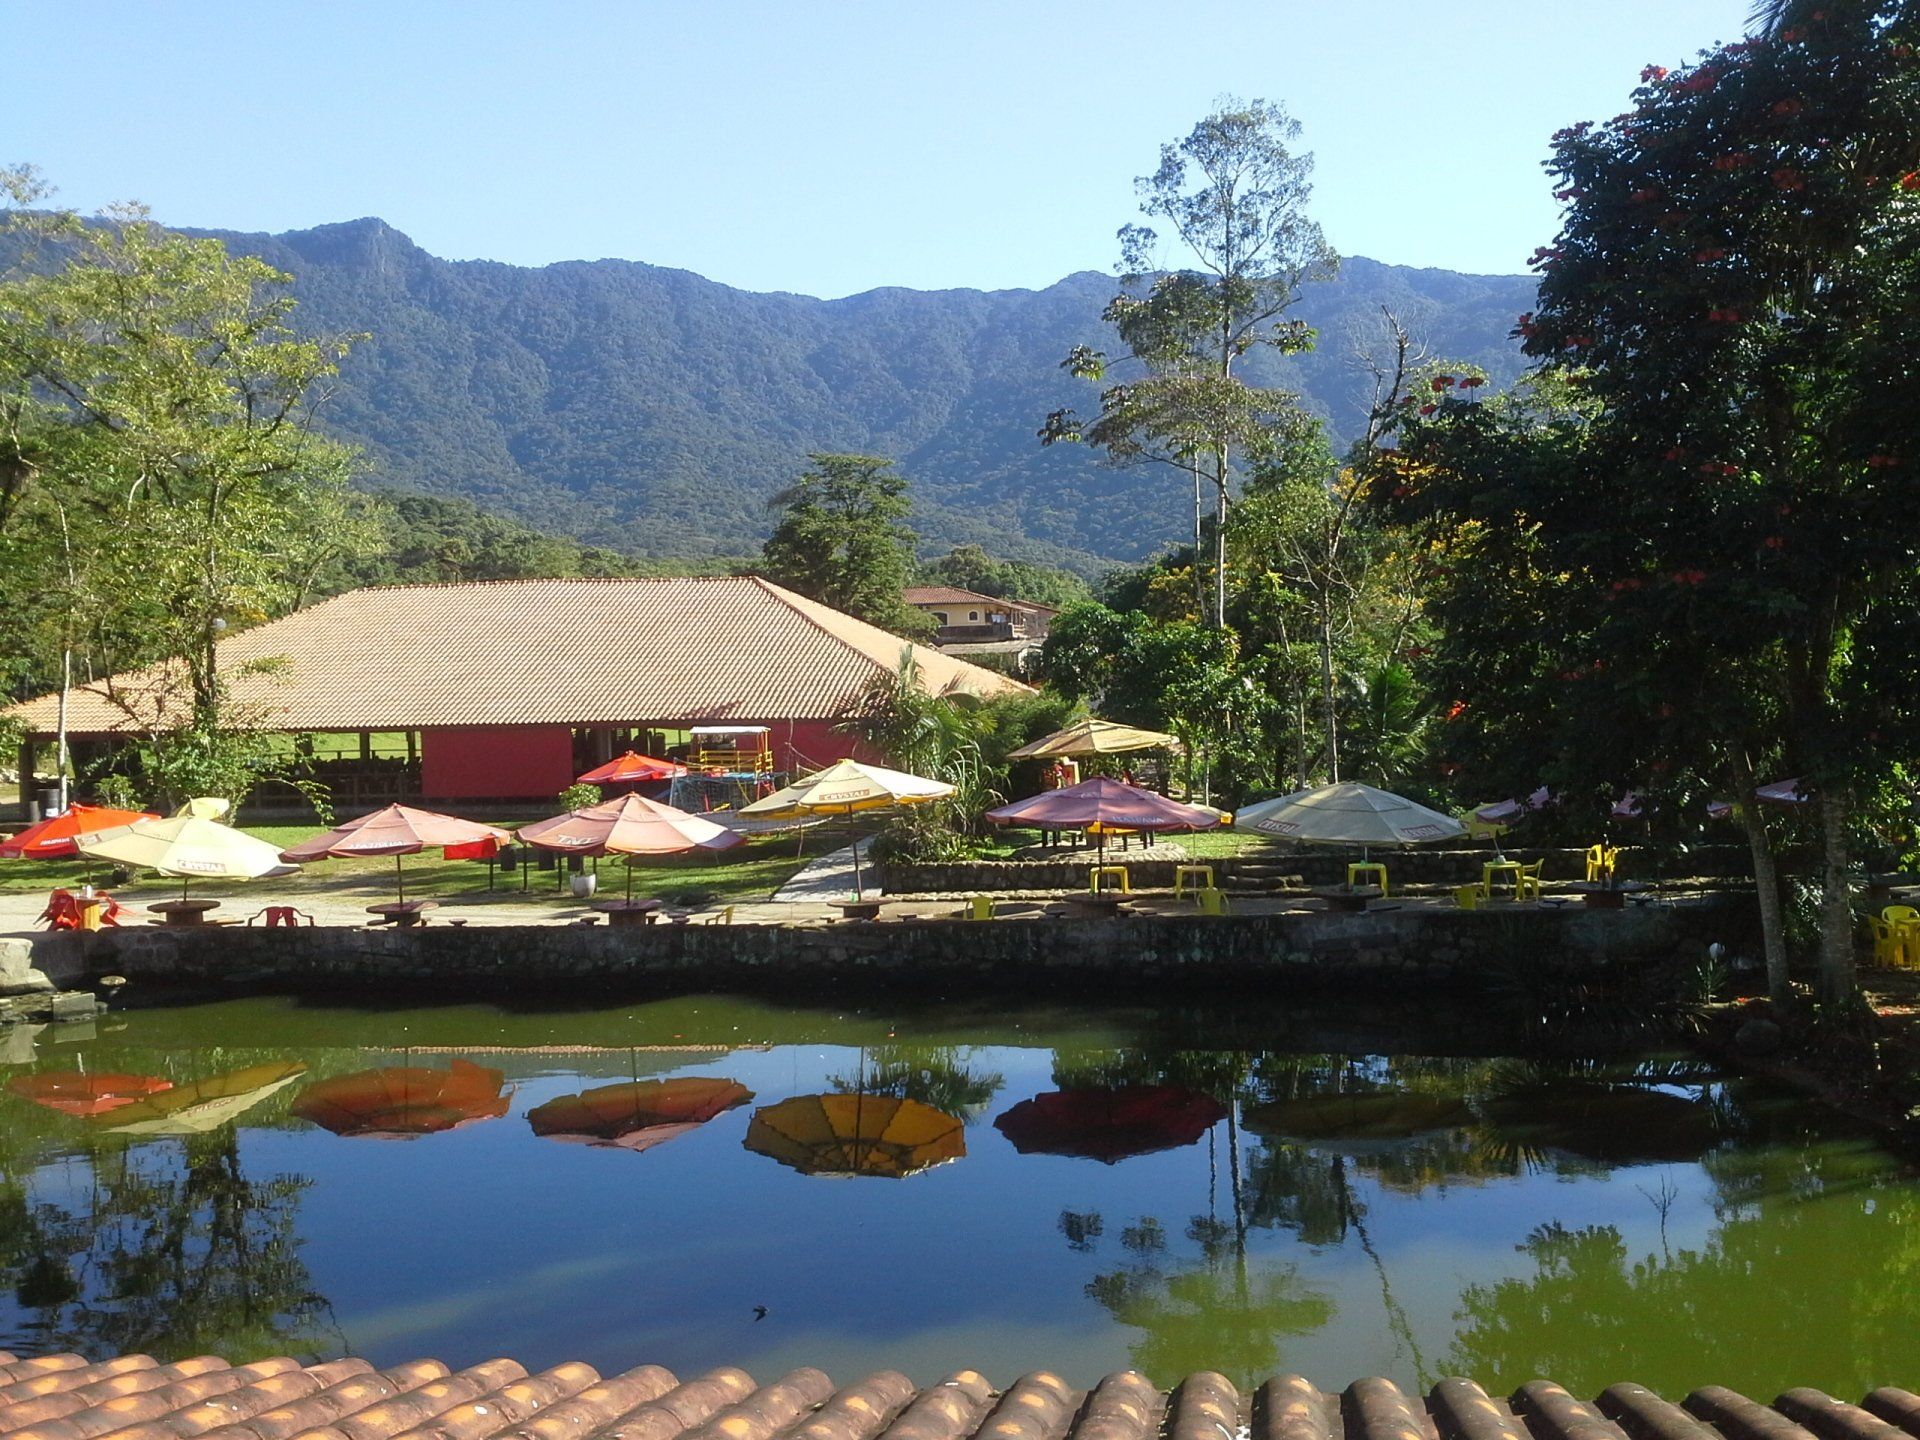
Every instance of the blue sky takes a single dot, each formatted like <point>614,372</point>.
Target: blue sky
<point>821,146</point>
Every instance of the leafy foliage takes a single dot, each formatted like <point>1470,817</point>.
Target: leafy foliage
<point>842,540</point>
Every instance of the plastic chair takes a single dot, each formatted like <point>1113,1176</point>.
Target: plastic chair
<point>1116,876</point>
<point>1212,901</point>
<point>1368,868</point>
<point>980,907</point>
<point>1526,884</point>
<point>1904,922</point>
<point>1468,897</point>
<point>281,915</point>
<point>1600,861</point>
<point>1183,873</point>
<point>1888,952</point>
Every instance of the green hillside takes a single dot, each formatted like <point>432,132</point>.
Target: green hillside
<point>654,411</point>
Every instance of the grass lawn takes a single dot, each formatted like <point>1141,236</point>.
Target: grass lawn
<point>750,872</point>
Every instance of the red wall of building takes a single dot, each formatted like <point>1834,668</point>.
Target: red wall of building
<point>810,744</point>
<point>530,763</point>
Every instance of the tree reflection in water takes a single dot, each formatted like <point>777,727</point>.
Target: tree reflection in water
<point>934,1075</point>
<point>172,1251</point>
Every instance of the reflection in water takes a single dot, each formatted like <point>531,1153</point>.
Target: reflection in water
<point>856,1135</point>
<point>201,1106</point>
<point>637,1114</point>
<point>1108,1124</point>
<point>74,1092</point>
<point>403,1102</point>
<point>1270,1210</point>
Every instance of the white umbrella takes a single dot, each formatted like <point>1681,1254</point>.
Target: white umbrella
<point>848,787</point>
<point>185,845</point>
<point>1348,814</point>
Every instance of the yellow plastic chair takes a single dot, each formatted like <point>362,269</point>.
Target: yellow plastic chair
<point>1888,952</point>
<point>980,907</point>
<point>1904,922</point>
<point>1203,874</point>
<point>1212,901</point>
<point>1526,884</point>
<point>1116,877</point>
<point>1468,897</point>
<point>1600,862</point>
<point>1368,868</point>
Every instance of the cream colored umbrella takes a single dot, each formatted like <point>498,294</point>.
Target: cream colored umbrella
<point>205,1105</point>
<point>186,845</point>
<point>1348,814</point>
<point>1093,737</point>
<point>848,787</point>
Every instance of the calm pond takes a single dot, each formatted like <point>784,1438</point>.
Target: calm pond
<point>711,1181</point>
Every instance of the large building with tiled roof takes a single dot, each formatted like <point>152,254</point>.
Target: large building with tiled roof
<point>508,689</point>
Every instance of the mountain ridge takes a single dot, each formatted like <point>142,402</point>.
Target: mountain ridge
<point>653,409</point>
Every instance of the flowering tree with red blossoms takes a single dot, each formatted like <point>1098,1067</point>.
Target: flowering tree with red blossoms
<point>1719,557</point>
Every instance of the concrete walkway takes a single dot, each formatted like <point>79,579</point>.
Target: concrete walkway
<point>830,878</point>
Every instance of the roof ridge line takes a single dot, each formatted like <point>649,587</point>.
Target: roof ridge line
<point>786,597</point>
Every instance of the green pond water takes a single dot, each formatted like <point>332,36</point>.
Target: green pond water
<point>987,1186</point>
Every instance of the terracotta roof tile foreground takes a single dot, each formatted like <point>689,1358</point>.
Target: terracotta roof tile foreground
<point>64,1397</point>
<point>545,652</point>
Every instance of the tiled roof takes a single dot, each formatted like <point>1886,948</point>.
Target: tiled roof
<point>549,652</point>
<point>948,595</point>
<point>63,1397</point>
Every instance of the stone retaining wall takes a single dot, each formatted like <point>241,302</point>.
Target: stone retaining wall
<point>1160,956</point>
<point>1315,867</point>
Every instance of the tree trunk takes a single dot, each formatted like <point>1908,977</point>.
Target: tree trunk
<point>1836,908</point>
<point>1220,543</point>
<point>1199,571</point>
<point>1766,877</point>
<point>1326,689</point>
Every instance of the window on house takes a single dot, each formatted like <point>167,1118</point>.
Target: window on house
<point>973,614</point>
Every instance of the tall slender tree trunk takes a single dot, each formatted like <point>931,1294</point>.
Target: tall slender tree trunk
<point>1766,876</point>
<point>1199,570</point>
<point>1220,541</point>
<point>1326,688</point>
<point>1837,980</point>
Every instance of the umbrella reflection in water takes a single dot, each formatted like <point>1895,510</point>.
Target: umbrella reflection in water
<point>856,1134</point>
<point>205,1105</point>
<point>637,1114</point>
<point>402,1102</point>
<point>1110,1125</point>
<point>75,1092</point>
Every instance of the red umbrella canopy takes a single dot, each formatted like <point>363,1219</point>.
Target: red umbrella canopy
<point>632,769</point>
<point>396,830</point>
<point>628,825</point>
<point>637,1114</point>
<point>398,1102</point>
<point>52,838</point>
<point>75,1092</point>
<point>1109,1125</point>
<point>1108,803</point>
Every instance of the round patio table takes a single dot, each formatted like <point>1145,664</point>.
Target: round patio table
<point>404,913</point>
<point>858,909</point>
<point>628,912</point>
<point>183,912</point>
<point>1098,902</point>
<point>1608,897</point>
<point>1347,897</point>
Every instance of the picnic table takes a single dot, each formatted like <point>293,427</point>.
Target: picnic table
<point>1608,895</point>
<point>403,913</point>
<point>628,912</point>
<point>183,912</point>
<point>1347,897</point>
<point>858,909</point>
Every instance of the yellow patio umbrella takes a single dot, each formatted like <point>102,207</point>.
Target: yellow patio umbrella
<point>856,1134</point>
<point>205,1104</point>
<point>848,787</point>
<point>1093,737</point>
<point>187,844</point>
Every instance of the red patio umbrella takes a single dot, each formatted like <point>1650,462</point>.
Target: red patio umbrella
<point>76,1092</point>
<point>52,838</point>
<point>1109,1125</point>
<point>637,1114</point>
<point>1109,804</point>
<point>399,1102</point>
<point>401,830</point>
<point>1779,792</point>
<point>632,769</point>
<point>628,825</point>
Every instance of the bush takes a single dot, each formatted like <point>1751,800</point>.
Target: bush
<point>922,837</point>
<point>578,797</point>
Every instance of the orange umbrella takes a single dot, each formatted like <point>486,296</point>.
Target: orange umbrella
<point>632,769</point>
<point>637,1114</point>
<point>856,1134</point>
<point>400,1102</point>
<point>52,838</point>
<point>629,825</point>
<point>75,1092</point>
<point>400,830</point>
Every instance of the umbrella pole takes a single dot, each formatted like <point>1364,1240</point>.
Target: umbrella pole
<point>400,879</point>
<point>853,834</point>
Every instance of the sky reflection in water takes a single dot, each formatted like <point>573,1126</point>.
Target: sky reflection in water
<point>1087,1193</point>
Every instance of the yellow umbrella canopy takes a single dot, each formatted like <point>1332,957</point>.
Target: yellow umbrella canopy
<point>184,846</point>
<point>856,1134</point>
<point>205,1104</point>
<point>845,788</point>
<point>1093,737</point>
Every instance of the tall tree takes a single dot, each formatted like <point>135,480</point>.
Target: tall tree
<point>842,540</point>
<point>1233,193</point>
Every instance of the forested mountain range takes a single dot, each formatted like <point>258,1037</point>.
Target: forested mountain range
<point>654,411</point>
